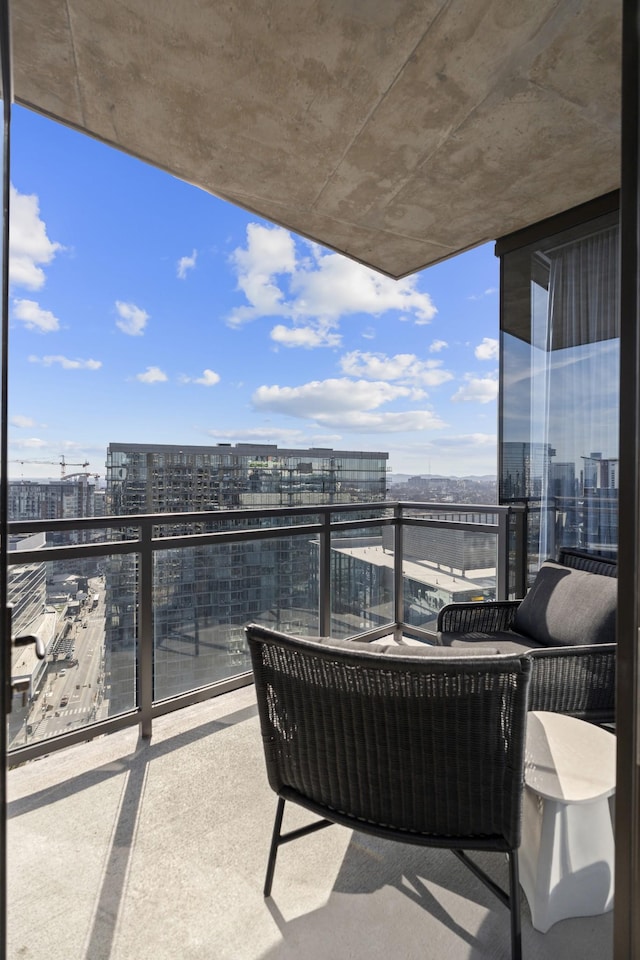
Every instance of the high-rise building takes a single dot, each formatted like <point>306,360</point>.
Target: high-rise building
<point>525,470</point>
<point>52,500</point>
<point>203,596</point>
<point>164,478</point>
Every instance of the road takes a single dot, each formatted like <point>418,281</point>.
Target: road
<point>71,695</point>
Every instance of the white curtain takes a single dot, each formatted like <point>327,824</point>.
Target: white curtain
<point>584,294</point>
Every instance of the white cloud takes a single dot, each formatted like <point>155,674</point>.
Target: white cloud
<point>270,252</point>
<point>315,291</point>
<point>66,363</point>
<point>387,422</point>
<point>487,350</point>
<point>23,422</point>
<point>152,375</point>
<point>345,404</point>
<point>208,379</point>
<point>308,337</point>
<point>477,390</point>
<point>186,263</point>
<point>34,317</point>
<point>277,435</point>
<point>29,444</point>
<point>132,320</point>
<point>320,398</point>
<point>334,287</point>
<point>437,346</point>
<point>369,334</point>
<point>485,293</point>
<point>29,246</point>
<point>404,367</point>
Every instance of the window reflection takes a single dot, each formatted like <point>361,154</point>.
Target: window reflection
<point>560,398</point>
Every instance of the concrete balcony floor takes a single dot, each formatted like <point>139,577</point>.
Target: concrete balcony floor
<point>121,849</point>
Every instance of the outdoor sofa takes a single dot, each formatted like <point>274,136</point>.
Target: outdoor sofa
<point>566,623</point>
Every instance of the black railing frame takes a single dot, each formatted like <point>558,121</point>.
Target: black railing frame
<point>325,521</point>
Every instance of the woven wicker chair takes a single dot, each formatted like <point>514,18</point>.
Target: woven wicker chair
<point>424,749</point>
<point>577,679</point>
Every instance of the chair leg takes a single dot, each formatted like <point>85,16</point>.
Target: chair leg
<point>275,843</point>
<point>514,905</point>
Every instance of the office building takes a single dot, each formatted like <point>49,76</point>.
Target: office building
<point>203,596</point>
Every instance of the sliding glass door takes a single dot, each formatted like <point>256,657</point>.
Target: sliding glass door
<point>560,386</point>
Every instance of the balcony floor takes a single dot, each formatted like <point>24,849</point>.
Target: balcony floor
<point>125,850</point>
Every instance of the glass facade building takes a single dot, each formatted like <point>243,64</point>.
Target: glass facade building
<point>203,596</point>
<point>148,478</point>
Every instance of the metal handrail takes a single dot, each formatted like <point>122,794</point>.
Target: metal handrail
<point>324,521</point>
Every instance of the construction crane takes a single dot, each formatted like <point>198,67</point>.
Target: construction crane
<point>62,463</point>
<point>83,476</point>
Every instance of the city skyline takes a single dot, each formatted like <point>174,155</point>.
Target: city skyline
<point>144,310</point>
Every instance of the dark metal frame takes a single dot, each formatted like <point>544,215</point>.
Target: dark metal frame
<point>321,521</point>
<point>627,816</point>
<point>5,612</point>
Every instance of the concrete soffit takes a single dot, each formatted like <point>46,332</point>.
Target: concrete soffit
<point>396,133</point>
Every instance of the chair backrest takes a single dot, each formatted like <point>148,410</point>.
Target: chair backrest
<point>419,746</point>
<point>581,560</point>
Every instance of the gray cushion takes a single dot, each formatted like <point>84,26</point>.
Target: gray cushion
<point>565,607</point>
<point>396,650</point>
<point>502,641</point>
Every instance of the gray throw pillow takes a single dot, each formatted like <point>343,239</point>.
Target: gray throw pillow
<point>565,607</point>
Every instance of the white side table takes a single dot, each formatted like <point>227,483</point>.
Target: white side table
<point>567,852</point>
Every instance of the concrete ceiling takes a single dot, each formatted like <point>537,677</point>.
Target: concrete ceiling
<point>398,132</point>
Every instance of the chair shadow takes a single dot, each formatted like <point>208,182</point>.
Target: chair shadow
<point>461,917</point>
<point>395,878</point>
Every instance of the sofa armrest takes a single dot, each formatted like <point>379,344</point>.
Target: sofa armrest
<point>486,617</point>
<point>579,681</point>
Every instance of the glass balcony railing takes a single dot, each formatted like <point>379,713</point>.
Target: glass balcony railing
<point>144,614</point>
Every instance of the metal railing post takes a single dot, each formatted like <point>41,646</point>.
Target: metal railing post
<point>398,580</point>
<point>325,575</point>
<point>5,613</point>
<point>502,557</point>
<point>145,631</point>
<point>521,527</point>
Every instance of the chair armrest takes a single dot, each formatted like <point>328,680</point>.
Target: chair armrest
<point>486,617</point>
<point>579,681</point>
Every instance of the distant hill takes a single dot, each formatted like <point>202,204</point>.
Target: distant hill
<point>403,477</point>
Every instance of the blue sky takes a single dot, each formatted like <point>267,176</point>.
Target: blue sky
<point>144,310</point>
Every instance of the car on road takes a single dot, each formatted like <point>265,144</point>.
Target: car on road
<point>64,701</point>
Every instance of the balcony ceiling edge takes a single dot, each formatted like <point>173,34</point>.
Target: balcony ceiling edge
<point>398,134</point>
